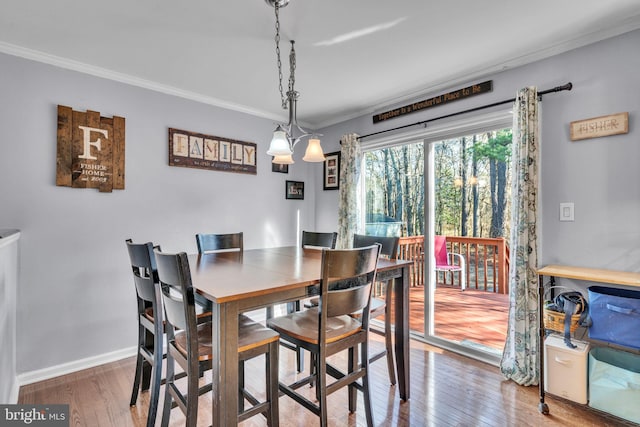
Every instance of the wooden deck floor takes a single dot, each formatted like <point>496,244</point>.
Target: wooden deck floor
<point>475,317</point>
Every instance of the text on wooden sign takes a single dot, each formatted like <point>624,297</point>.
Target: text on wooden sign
<point>613,124</point>
<point>436,100</point>
<point>196,150</point>
<point>90,150</point>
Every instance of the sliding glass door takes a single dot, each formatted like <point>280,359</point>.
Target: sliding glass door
<point>445,194</point>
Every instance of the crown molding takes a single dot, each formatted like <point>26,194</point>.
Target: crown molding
<point>81,67</point>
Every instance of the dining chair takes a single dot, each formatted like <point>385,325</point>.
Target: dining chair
<point>189,345</point>
<point>150,326</point>
<point>381,307</point>
<point>444,260</point>
<point>211,243</point>
<point>347,278</point>
<point>310,240</point>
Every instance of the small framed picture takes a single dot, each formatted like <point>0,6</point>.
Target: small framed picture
<point>275,167</point>
<point>332,171</point>
<point>294,190</point>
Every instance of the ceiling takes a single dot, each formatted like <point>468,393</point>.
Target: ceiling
<point>353,56</point>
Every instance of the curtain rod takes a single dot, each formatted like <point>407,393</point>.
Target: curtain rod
<point>567,86</point>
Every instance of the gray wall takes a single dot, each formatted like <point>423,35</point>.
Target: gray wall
<point>76,297</point>
<point>601,176</point>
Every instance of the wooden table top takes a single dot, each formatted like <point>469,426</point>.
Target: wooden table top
<point>229,276</point>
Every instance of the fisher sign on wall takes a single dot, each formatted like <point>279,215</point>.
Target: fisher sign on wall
<point>90,150</point>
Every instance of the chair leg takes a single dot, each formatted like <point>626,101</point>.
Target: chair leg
<point>366,394</point>
<point>293,307</point>
<point>273,392</point>
<point>192,394</point>
<point>351,366</point>
<point>146,367</point>
<point>387,337</point>
<point>156,380</point>
<point>321,388</point>
<point>166,409</point>
<point>138,375</point>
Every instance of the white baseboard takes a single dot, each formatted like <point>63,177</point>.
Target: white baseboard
<point>15,390</point>
<point>77,365</point>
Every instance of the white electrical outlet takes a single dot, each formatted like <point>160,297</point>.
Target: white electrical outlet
<point>566,211</point>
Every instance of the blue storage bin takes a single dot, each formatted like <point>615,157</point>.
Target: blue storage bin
<point>615,314</point>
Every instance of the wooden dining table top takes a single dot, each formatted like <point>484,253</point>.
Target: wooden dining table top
<point>254,272</point>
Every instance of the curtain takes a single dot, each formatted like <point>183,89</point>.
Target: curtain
<point>520,359</point>
<point>349,203</point>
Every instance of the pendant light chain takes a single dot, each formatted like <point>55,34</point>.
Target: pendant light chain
<point>287,136</point>
<point>284,100</point>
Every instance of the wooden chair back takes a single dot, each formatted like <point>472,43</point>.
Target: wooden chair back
<point>347,279</point>
<point>177,294</point>
<point>143,265</point>
<point>319,240</point>
<point>389,245</point>
<point>219,242</point>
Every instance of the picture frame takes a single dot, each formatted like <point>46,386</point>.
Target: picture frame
<point>294,190</point>
<point>331,171</point>
<point>275,167</point>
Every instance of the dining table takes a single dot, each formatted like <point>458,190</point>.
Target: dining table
<point>239,282</point>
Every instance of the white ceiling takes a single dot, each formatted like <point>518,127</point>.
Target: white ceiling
<point>353,56</point>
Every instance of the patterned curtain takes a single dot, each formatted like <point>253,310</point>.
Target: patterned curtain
<point>349,203</point>
<point>520,359</point>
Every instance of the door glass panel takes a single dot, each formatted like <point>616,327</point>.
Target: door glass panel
<point>465,300</point>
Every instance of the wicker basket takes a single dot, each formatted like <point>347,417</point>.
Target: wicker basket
<point>554,320</point>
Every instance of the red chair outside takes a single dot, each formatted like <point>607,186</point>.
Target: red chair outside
<point>449,262</point>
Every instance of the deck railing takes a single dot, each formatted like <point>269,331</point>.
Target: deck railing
<point>487,262</point>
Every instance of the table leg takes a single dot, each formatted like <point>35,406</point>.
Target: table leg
<point>401,291</point>
<point>225,364</point>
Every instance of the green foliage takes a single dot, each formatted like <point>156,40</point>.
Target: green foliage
<point>497,147</point>
<point>474,177</point>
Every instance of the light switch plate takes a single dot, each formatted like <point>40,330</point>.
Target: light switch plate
<point>566,211</point>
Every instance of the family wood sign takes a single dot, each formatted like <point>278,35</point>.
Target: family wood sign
<point>90,152</point>
<point>196,150</point>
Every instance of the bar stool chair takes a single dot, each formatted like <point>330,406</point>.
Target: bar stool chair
<point>211,243</point>
<point>345,287</point>
<point>189,345</point>
<point>310,240</point>
<point>150,328</point>
<point>380,307</point>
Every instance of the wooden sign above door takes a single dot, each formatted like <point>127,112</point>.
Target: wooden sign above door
<point>90,150</point>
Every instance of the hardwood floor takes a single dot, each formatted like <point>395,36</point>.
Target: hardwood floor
<point>446,390</point>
